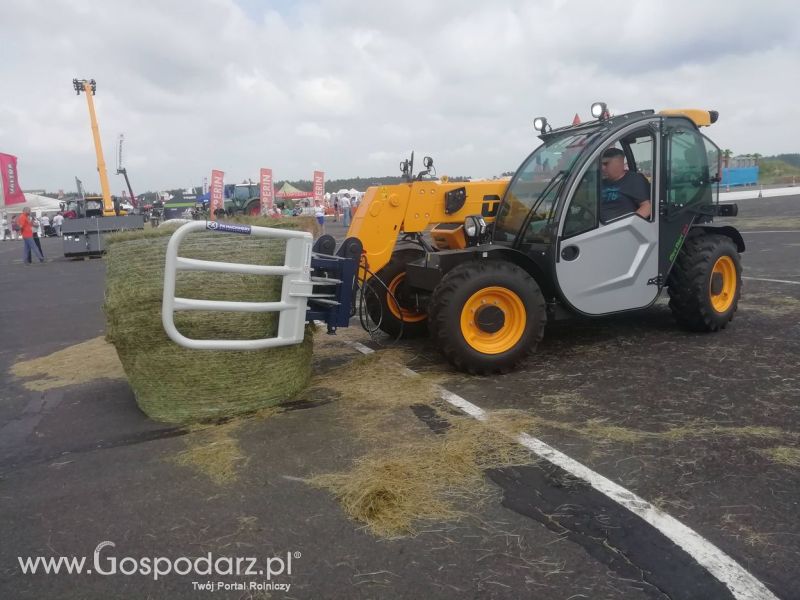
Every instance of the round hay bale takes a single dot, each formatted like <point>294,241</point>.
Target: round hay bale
<point>179,385</point>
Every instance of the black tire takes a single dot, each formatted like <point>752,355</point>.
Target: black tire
<point>703,289</point>
<point>406,321</point>
<point>487,351</point>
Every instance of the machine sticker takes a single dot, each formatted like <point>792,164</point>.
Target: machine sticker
<point>216,226</point>
<point>678,243</point>
<point>490,206</point>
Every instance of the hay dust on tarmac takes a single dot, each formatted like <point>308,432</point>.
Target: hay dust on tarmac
<point>59,368</point>
<point>408,475</point>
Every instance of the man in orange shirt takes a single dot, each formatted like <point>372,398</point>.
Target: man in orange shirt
<point>26,229</point>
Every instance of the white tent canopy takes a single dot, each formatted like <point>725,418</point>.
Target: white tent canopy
<point>35,202</point>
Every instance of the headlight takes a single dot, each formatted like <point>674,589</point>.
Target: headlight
<point>599,109</point>
<point>470,227</point>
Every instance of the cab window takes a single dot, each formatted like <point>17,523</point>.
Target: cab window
<point>598,199</point>
<point>689,177</point>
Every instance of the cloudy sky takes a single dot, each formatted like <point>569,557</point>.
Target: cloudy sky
<point>352,86</point>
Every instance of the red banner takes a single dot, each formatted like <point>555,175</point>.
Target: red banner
<point>12,192</point>
<point>319,186</point>
<point>217,189</point>
<point>267,192</point>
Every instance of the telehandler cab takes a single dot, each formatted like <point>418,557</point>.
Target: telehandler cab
<point>503,257</point>
<point>486,285</point>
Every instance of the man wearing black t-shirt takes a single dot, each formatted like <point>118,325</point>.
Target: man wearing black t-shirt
<point>623,192</point>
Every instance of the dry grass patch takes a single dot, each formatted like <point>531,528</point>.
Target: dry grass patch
<point>601,431</point>
<point>772,305</point>
<point>782,455</point>
<point>408,474</point>
<point>426,478</point>
<point>375,392</point>
<point>214,452</point>
<point>69,366</point>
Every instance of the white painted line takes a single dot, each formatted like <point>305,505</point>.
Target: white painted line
<point>772,280</point>
<point>752,194</point>
<point>465,405</point>
<point>739,581</point>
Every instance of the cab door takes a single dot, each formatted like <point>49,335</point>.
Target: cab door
<point>605,266</point>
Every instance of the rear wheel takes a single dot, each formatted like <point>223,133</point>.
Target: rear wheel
<point>487,316</point>
<point>254,210</point>
<point>705,282</point>
<point>391,304</point>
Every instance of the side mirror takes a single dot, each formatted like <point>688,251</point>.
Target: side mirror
<point>427,162</point>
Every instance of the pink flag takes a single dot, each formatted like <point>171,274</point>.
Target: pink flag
<point>217,193</point>
<point>12,192</point>
<point>267,192</point>
<point>319,186</point>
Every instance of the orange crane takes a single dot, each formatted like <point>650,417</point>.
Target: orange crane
<point>89,87</point>
<point>94,215</point>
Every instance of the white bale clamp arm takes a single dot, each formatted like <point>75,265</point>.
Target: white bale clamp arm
<point>296,287</point>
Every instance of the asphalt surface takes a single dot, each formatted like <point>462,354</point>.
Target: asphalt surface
<point>686,421</point>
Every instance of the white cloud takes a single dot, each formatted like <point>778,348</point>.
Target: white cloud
<point>352,87</point>
<point>313,130</point>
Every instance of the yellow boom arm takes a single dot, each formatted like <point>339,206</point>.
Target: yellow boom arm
<point>387,211</point>
<point>88,87</point>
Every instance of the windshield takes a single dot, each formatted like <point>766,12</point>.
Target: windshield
<point>535,186</point>
<point>244,192</point>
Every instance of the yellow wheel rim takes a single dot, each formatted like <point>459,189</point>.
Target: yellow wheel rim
<point>726,269</point>
<point>399,312</point>
<point>512,328</point>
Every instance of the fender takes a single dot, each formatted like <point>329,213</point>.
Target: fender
<point>726,230</point>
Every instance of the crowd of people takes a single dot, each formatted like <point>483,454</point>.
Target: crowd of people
<point>44,226</point>
<point>29,228</point>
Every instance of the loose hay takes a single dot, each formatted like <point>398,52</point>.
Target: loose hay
<point>784,455</point>
<point>179,385</point>
<point>429,478</point>
<point>408,474</point>
<point>214,452</point>
<point>68,366</point>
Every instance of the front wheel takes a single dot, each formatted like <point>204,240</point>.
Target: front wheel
<point>706,282</point>
<point>487,316</point>
<point>391,304</point>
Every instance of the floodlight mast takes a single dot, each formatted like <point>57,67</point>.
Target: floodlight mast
<point>89,87</point>
<point>124,172</point>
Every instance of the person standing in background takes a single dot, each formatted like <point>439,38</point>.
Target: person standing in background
<point>37,228</point>
<point>58,221</point>
<point>319,212</point>
<point>344,202</point>
<point>26,227</point>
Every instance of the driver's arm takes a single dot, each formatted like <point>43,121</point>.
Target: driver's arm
<point>644,209</point>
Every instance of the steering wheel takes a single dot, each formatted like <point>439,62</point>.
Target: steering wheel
<point>581,214</point>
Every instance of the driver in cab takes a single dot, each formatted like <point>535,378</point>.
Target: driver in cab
<point>623,192</point>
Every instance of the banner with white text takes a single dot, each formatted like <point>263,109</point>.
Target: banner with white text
<point>217,188</point>
<point>319,186</point>
<point>267,192</point>
<point>12,192</point>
